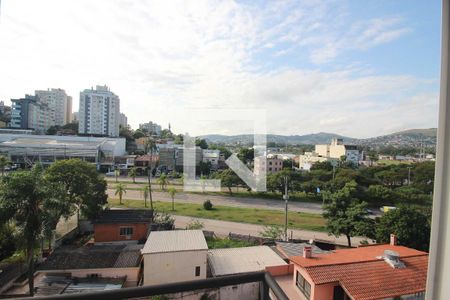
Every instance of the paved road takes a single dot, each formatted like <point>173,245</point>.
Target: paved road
<point>314,208</point>
<point>222,228</point>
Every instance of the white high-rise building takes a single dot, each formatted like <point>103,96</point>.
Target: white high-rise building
<point>99,112</point>
<point>57,102</point>
<point>123,120</point>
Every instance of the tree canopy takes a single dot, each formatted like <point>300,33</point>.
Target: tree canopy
<point>411,226</point>
<point>345,214</point>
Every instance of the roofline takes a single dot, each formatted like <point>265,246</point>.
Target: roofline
<point>351,262</point>
<point>412,291</point>
<point>193,250</point>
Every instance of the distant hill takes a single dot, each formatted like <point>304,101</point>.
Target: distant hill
<point>406,138</point>
<point>412,137</point>
<point>244,139</point>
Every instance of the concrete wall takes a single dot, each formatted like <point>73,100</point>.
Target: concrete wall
<point>171,267</point>
<point>111,232</point>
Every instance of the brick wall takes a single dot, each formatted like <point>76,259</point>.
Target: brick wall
<point>111,232</point>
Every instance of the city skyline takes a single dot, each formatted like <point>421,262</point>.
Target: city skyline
<point>357,70</point>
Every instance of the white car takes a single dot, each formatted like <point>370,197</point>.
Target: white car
<point>111,174</point>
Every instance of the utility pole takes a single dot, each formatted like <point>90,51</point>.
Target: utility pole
<point>286,198</point>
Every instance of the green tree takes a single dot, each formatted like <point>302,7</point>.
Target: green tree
<point>380,195</point>
<point>201,143</point>
<point>227,178</point>
<point>345,214</point>
<point>246,155</point>
<point>120,190</point>
<point>4,162</point>
<point>273,232</point>
<point>145,191</point>
<point>133,173</point>
<point>172,192</point>
<point>411,226</point>
<point>7,240</point>
<point>163,181</point>
<point>139,134</point>
<point>84,188</point>
<point>27,200</point>
<point>322,165</point>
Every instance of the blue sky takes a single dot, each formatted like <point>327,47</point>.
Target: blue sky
<point>357,68</point>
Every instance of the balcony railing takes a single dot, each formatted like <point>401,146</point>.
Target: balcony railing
<point>269,289</point>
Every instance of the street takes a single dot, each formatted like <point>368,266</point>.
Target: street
<point>223,228</point>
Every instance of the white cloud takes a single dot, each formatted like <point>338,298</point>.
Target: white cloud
<point>163,56</point>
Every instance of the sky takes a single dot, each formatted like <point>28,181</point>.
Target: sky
<point>356,68</point>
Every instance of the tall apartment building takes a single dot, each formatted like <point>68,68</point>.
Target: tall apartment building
<point>30,113</point>
<point>151,127</point>
<point>58,103</point>
<point>39,112</point>
<point>123,120</point>
<point>69,116</point>
<point>99,112</point>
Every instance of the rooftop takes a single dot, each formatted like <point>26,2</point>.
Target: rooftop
<point>175,241</point>
<point>289,250</point>
<point>93,257</point>
<point>121,216</point>
<point>365,275</point>
<point>241,260</point>
<point>375,279</point>
<point>354,255</point>
<point>54,285</point>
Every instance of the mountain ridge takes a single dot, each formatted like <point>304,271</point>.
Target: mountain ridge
<point>409,137</point>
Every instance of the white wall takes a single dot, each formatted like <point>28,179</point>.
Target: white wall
<point>160,268</point>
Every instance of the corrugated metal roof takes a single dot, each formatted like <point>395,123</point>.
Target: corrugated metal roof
<point>174,241</point>
<point>241,260</point>
<point>296,249</point>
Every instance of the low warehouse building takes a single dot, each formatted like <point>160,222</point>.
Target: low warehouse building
<point>25,149</point>
<point>174,256</point>
<point>231,261</point>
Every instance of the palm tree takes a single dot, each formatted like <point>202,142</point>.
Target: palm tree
<point>172,191</point>
<point>145,191</point>
<point>163,181</point>
<point>121,189</point>
<point>150,147</point>
<point>30,203</point>
<point>4,162</point>
<point>132,173</point>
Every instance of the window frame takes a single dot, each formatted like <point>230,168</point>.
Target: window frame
<point>126,228</point>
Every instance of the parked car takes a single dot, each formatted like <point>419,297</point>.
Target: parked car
<point>111,174</point>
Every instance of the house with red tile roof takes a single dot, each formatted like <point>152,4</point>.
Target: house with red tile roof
<point>371,272</point>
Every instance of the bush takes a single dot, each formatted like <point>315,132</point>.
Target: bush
<point>194,224</point>
<point>207,205</point>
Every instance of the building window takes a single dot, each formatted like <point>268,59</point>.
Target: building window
<point>197,271</point>
<point>303,285</point>
<point>126,231</point>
